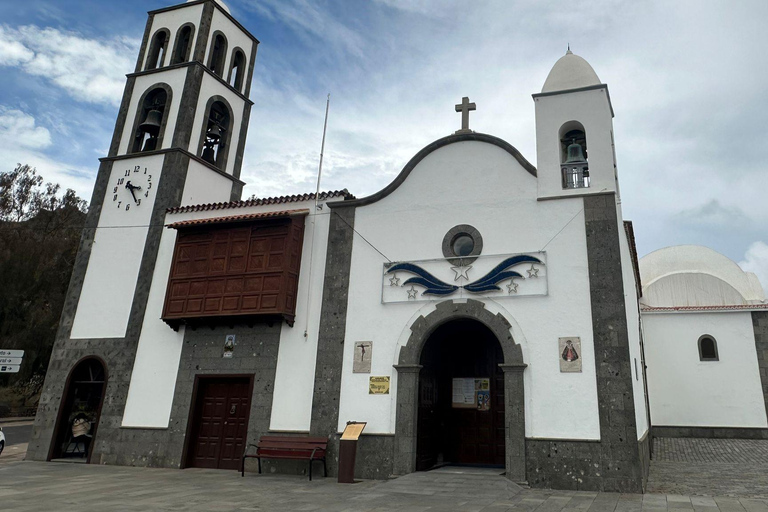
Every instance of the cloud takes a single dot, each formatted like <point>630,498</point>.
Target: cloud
<point>20,128</point>
<point>89,70</point>
<point>28,145</point>
<point>713,214</point>
<point>756,261</point>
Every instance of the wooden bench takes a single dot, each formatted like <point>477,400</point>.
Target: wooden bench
<point>286,447</point>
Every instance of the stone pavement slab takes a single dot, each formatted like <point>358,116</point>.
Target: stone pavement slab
<point>54,487</point>
<point>735,468</point>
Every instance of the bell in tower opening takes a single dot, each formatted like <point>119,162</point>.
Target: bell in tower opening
<point>216,134</point>
<point>574,167</point>
<point>148,131</point>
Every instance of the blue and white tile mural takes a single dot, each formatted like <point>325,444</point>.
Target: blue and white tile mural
<point>499,276</point>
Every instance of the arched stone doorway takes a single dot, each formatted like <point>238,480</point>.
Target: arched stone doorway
<point>80,410</point>
<point>409,368</point>
<point>461,397</point>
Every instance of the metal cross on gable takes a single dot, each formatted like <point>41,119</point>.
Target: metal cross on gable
<point>465,107</point>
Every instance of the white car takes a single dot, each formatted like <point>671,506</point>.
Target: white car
<point>2,440</point>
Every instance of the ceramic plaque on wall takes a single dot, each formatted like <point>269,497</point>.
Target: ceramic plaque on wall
<point>362,361</point>
<point>569,354</point>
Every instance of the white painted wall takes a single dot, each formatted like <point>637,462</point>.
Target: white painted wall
<point>175,79</point>
<point>593,110</point>
<point>633,329</point>
<point>212,87</point>
<point>172,20</point>
<point>482,185</point>
<point>235,38</point>
<point>685,391</point>
<point>296,359</point>
<point>113,268</point>
<point>153,381</point>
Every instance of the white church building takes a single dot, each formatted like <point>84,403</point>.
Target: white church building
<point>505,322</point>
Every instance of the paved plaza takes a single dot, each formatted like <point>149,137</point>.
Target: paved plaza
<point>681,481</point>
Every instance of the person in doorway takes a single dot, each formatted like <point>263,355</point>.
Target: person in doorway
<point>81,427</point>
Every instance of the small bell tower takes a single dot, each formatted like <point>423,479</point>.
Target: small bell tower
<point>179,139</point>
<point>574,132</point>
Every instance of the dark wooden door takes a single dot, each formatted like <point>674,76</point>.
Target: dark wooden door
<point>220,423</point>
<point>447,434</point>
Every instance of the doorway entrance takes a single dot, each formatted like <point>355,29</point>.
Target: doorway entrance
<point>461,397</point>
<point>219,422</point>
<point>80,411</point>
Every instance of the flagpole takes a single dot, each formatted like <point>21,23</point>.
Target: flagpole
<point>313,216</point>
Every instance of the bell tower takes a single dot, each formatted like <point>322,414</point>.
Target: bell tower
<point>179,139</point>
<point>574,132</point>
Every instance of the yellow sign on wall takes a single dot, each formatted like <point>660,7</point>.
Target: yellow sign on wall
<point>378,385</point>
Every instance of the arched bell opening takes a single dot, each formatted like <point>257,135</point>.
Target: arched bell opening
<point>237,70</point>
<point>217,132</point>
<point>151,119</point>
<point>461,398</point>
<point>218,53</point>
<point>574,158</point>
<point>80,411</point>
<point>183,47</point>
<point>157,49</point>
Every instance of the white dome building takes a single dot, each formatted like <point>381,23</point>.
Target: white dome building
<point>704,332</point>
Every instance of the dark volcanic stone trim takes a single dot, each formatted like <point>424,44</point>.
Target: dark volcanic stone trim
<point>122,116</point>
<point>333,322</point>
<point>241,140</point>
<point>760,326</point>
<point>711,432</point>
<point>144,43</point>
<point>564,464</point>
<point>644,449</point>
<point>477,137</point>
<point>237,191</point>
<point>408,384</point>
<point>204,31</point>
<point>620,466</point>
<point>182,135</point>
<point>251,65</point>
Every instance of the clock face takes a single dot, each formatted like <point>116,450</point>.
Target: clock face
<point>132,187</point>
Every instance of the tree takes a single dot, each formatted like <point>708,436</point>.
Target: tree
<point>39,236</point>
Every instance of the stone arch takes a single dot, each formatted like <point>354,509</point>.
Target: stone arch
<point>408,369</point>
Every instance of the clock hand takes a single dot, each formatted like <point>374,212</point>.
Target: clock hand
<point>132,188</point>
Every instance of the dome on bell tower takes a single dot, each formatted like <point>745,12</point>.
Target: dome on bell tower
<point>570,72</point>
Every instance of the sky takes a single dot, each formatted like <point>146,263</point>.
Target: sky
<point>688,82</point>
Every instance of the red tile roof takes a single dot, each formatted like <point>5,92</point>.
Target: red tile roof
<point>731,307</point>
<point>237,218</point>
<point>254,201</point>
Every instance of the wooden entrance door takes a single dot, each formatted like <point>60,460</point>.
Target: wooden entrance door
<point>220,422</point>
<point>461,349</point>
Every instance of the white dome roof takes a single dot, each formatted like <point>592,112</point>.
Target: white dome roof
<point>570,72</point>
<point>694,275</point>
<point>220,2</point>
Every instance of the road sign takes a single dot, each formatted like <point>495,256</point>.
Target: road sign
<point>10,360</point>
<point>11,353</point>
<point>9,368</point>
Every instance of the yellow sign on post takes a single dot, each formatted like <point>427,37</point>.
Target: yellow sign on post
<point>353,430</point>
<point>378,385</point>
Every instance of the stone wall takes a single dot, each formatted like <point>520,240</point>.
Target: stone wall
<point>760,325</point>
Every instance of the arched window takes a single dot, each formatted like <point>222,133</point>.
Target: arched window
<point>183,48</point>
<point>218,54</point>
<point>214,140</point>
<point>237,69</point>
<point>708,348</point>
<point>80,410</point>
<point>150,119</point>
<point>157,49</point>
<point>573,155</point>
